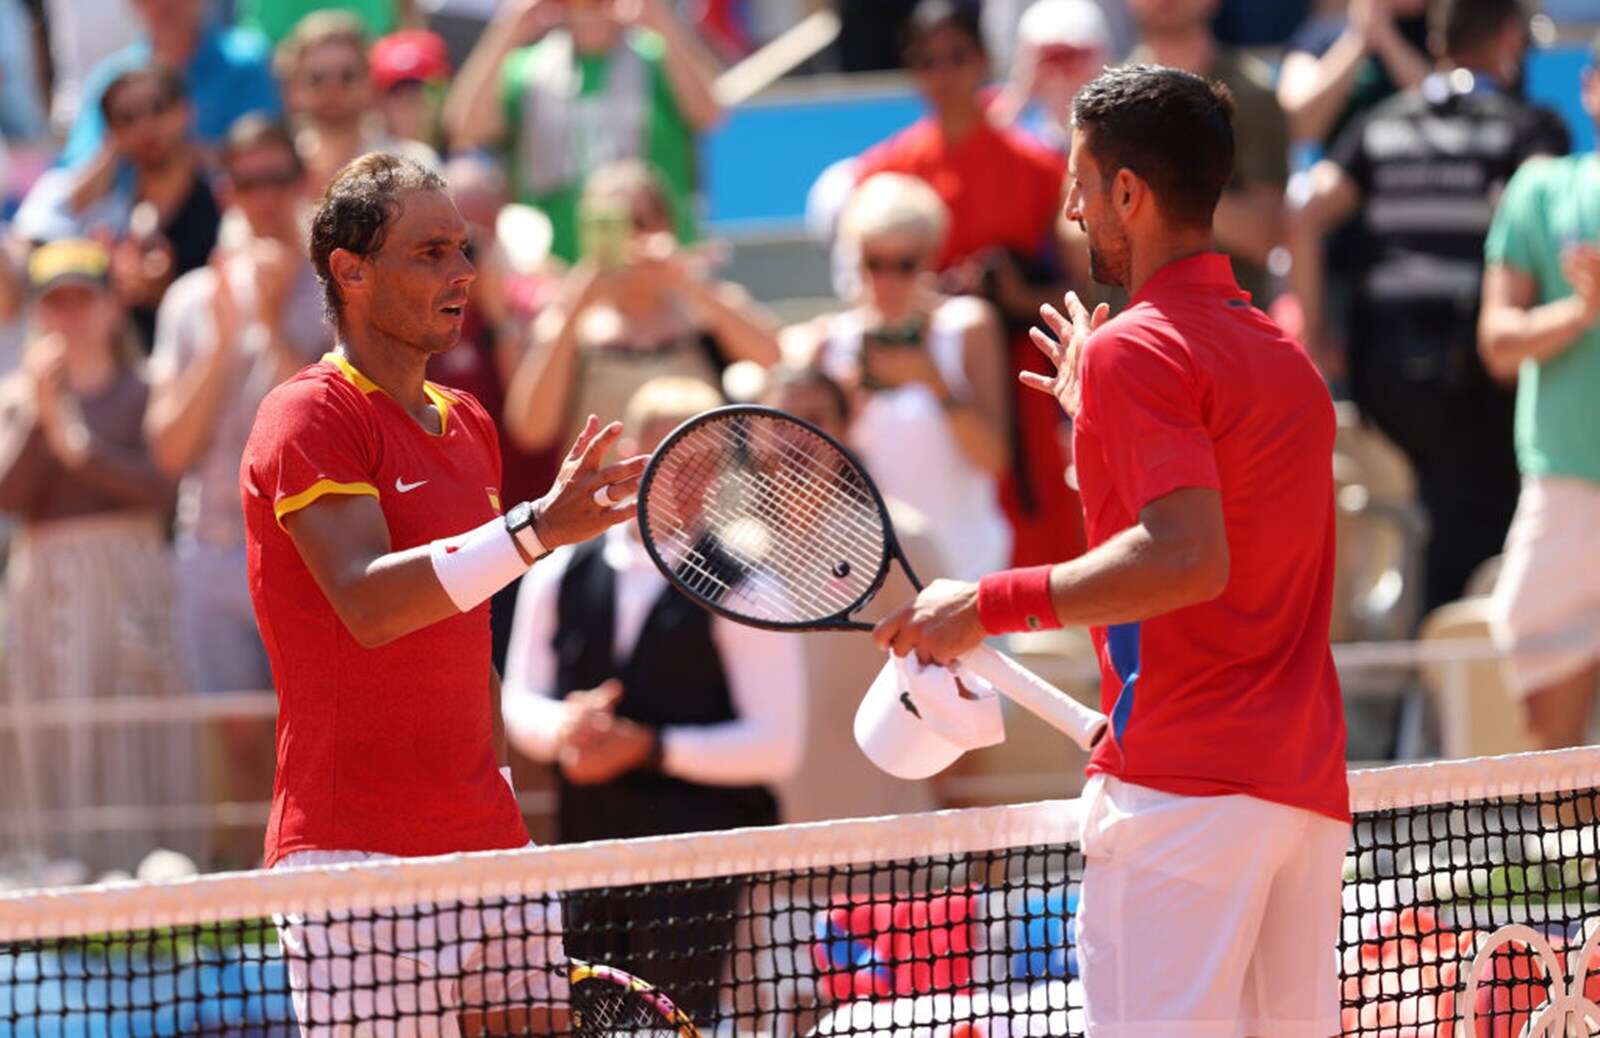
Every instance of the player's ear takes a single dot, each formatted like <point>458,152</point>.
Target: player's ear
<point>347,269</point>
<point>1127,191</point>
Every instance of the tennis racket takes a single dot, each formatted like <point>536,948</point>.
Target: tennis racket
<point>608,1002</point>
<point>766,520</point>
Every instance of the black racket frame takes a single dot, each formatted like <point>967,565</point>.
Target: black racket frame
<point>839,621</point>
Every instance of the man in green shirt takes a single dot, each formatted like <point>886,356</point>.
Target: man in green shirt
<point>1540,325</point>
<point>276,18</point>
<point>598,85</point>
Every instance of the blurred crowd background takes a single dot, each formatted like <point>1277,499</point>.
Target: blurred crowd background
<point>862,241</point>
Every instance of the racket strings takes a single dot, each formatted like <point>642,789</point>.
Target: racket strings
<point>606,1009</point>
<point>766,519</point>
<point>694,559</point>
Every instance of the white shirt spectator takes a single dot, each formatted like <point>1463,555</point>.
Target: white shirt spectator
<point>765,672</point>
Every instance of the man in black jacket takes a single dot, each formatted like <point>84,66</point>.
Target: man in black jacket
<point>1423,171</point>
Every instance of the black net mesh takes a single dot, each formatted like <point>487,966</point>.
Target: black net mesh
<point>980,942</point>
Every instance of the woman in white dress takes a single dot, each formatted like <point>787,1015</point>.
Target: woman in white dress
<point>929,371</point>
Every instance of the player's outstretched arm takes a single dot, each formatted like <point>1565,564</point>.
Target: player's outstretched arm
<point>381,594</point>
<point>1175,556</point>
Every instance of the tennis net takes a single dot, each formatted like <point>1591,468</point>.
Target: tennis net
<point>1471,907</point>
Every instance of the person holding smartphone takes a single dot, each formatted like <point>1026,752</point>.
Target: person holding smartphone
<point>929,371</point>
<point>634,308</point>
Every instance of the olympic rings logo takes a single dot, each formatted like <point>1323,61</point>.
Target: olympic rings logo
<point>1566,990</point>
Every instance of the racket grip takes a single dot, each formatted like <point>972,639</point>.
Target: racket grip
<point>1034,694</point>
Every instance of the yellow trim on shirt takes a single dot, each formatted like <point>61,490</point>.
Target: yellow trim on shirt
<point>348,370</point>
<point>320,488</point>
<point>441,398</point>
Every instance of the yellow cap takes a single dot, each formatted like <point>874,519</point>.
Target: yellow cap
<point>69,259</point>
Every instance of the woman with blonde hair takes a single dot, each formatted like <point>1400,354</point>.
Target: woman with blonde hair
<point>929,371</point>
<point>88,583</point>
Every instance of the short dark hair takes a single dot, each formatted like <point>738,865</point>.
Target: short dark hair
<point>1462,26</point>
<point>357,210</point>
<point>929,16</point>
<point>787,376</point>
<point>254,130</point>
<point>166,79</point>
<point>1171,129</point>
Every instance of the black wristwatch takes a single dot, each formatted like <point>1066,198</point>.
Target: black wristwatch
<point>520,524</point>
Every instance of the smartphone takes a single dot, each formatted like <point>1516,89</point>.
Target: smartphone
<point>604,230</point>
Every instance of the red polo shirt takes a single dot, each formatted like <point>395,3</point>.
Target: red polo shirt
<point>1020,215</point>
<point>1191,386</point>
<point>388,749</point>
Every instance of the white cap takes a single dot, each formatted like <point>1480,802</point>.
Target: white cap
<point>1076,23</point>
<point>914,722</point>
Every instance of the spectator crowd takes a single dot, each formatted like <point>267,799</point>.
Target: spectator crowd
<point>1396,200</point>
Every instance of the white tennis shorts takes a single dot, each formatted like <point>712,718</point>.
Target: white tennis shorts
<point>408,972</point>
<point>1208,917</point>
<point>1545,613</point>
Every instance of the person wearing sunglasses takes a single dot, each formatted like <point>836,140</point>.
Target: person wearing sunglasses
<point>226,72</point>
<point>332,101</point>
<point>225,335</point>
<point>148,195</point>
<point>1002,191</point>
<point>927,371</point>
<point>1061,45</point>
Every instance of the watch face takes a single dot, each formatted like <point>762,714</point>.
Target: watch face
<point>520,515</point>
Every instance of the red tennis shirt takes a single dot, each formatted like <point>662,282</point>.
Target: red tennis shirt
<point>387,749</point>
<point>1191,386</point>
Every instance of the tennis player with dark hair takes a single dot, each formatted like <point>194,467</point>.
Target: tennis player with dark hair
<point>1217,813</point>
<point>374,539</point>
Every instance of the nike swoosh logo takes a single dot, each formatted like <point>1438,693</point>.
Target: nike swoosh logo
<point>406,488</point>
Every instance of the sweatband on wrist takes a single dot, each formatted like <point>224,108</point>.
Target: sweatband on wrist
<point>505,773</point>
<point>1017,600</point>
<point>474,565</point>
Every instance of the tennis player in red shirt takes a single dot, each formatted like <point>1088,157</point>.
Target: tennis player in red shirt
<point>1217,814</point>
<point>374,537</point>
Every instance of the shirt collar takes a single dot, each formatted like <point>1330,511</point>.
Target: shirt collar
<point>1440,87</point>
<point>1203,268</point>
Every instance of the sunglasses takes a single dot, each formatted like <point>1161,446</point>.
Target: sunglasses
<point>935,61</point>
<point>346,76</point>
<point>124,117</point>
<point>1063,54</point>
<point>278,179</point>
<point>905,266</point>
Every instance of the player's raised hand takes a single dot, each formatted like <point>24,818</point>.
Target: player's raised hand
<point>1065,351</point>
<point>588,497</point>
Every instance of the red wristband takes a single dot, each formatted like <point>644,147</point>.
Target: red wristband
<point>1017,600</point>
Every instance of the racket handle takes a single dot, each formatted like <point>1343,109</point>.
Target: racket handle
<point>1034,694</point>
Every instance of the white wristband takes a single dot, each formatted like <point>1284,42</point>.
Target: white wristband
<point>476,564</point>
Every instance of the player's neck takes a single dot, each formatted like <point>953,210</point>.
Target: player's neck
<point>1146,262</point>
<point>397,369</point>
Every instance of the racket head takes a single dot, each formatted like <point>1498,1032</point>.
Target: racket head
<point>608,1002</point>
<point>762,518</point>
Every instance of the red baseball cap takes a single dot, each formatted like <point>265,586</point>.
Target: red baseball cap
<point>407,55</point>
